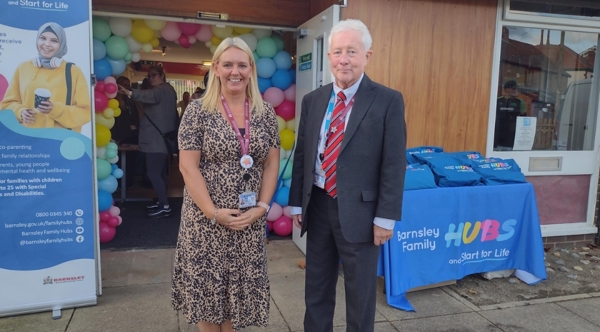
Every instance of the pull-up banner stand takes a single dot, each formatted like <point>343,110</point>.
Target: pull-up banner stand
<point>47,210</point>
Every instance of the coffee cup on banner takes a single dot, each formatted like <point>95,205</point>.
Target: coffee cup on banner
<point>41,95</point>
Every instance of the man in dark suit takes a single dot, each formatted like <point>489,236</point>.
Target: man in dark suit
<point>347,182</point>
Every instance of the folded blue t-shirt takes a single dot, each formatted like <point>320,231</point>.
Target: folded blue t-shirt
<point>449,170</point>
<point>499,171</point>
<point>410,159</point>
<point>418,176</point>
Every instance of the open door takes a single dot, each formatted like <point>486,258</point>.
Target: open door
<point>312,68</point>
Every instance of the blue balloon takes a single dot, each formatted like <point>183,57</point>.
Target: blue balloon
<point>265,67</point>
<point>282,196</point>
<point>283,60</point>
<point>109,184</point>
<point>99,49</point>
<point>292,72</point>
<point>281,79</point>
<point>104,200</point>
<point>118,66</point>
<point>118,173</point>
<point>264,84</point>
<point>102,69</point>
<point>113,167</point>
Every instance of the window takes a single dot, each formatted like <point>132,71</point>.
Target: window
<point>585,8</point>
<point>547,74</point>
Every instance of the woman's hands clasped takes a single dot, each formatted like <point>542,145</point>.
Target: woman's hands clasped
<point>233,219</point>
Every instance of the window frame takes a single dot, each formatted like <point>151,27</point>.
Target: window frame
<point>531,17</point>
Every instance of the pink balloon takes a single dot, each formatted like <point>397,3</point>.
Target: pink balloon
<point>275,212</point>
<point>3,86</point>
<point>111,95</point>
<point>114,211</point>
<point>170,32</point>
<point>109,80</point>
<point>286,110</point>
<point>110,88</point>
<point>107,233</point>
<point>274,96</point>
<point>287,211</point>
<point>205,33</point>
<point>188,28</point>
<point>183,39</point>
<point>113,222</point>
<point>99,86</point>
<point>104,216</point>
<point>186,45</point>
<point>290,93</point>
<point>283,226</point>
<point>100,101</point>
<point>270,226</point>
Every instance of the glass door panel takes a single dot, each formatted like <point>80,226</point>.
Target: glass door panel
<point>547,74</point>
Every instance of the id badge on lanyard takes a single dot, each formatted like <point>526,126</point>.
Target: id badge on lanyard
<point>247,198</point>
<point>319,175</point>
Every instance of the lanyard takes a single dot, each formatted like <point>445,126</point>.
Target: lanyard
<point>244,141</point>
<point>340,118</point>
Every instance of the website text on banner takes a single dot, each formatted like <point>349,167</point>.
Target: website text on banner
<point>47,216</point>
<point>448,233</point>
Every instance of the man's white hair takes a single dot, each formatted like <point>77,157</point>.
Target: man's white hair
<point>356,25</point>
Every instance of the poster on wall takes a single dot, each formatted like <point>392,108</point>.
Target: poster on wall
<point>46,173</point>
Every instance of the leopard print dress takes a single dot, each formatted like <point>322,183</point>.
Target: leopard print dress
<point>221,274</point>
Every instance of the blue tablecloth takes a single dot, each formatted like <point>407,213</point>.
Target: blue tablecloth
<point>448,233</point>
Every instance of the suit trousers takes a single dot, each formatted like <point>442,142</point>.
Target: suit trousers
<point>325,247</point>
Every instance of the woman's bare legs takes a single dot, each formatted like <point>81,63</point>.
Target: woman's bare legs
<point>209,327</point>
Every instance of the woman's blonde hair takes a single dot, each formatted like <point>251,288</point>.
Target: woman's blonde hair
<point>212,96</point>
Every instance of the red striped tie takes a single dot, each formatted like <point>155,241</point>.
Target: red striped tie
<point>335,136</point>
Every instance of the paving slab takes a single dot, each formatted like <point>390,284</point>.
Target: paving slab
<point>33,322</point>
<point>588,309</point>
<point>151,267</point>
<point>427,303</point>
<point>467,322</point>
<point>115,267</point>
<point>548,317</point>
<point>131,308</point>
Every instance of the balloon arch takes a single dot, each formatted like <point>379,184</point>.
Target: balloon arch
<point>118,41</point>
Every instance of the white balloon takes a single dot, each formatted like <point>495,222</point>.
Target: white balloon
<point>120,26</point>
<point>281,154</point>
<point>114,160</point>
<point>261,33</point>
<point>147,47</point>
<point>251,40</point>
<point>136,57</point>
<point>134,46</point>
<point>213,49</point>
<point>208,44</point>
<point>101,153</point>
<point>192,40</point>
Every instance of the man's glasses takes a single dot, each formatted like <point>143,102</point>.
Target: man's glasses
<point>152,75</point>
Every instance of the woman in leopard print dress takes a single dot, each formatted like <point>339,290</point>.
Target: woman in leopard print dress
<point>220,275</point>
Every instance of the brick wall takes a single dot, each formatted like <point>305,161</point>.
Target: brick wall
<point>570,241</point>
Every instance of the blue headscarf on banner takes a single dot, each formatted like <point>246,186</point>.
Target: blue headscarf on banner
<point>56,60</point>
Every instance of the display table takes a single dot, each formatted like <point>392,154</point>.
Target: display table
<point>448,233</point>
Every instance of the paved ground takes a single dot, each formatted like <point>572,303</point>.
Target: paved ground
<point>136,297</point>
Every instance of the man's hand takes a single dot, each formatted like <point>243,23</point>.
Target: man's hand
<point>297,218</point>
<point>381,235</point>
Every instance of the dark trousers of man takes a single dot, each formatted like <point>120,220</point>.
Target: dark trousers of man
<point>157,169</point>
<point>324,248</point>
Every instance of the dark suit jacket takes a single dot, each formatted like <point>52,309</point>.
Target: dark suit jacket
<point>372,160</point>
